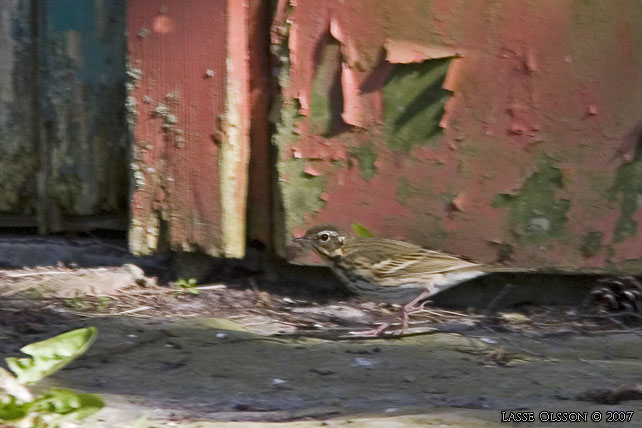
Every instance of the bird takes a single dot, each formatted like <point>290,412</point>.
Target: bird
<point>390,271</point>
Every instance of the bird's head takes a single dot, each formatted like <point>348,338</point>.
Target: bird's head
<point>326,240</point>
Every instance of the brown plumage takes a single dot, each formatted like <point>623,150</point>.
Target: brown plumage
<point>387,270</point>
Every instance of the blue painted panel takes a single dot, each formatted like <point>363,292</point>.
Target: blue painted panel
<point>82,101</point>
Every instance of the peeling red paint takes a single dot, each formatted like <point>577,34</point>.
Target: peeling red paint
<point>311,170</point>
<point>629,142</point>
<point>459,202</point>
<point>406,52</point>
<point>177,156</point>
<point>520,94</point>
<point>319,148</point>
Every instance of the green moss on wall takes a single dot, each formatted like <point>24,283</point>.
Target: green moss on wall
<point>628,190</point>
<point>406,191</point>
<point>366,155</point>
<point>414,103</point>
<point>17,188</point>
<point>536,216</point>
<point>326,99</point>
<point>591,244</point>
<point>299,193</point>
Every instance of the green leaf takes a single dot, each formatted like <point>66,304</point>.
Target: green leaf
<point>51,355</point>
<point>71,405</point>
<point>11,409</point>
<point>9,385</point>
<point>361,231</point>
<point>188,285</point>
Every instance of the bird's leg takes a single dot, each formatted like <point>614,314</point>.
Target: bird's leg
<point>410,308</point>
<point>372,332</point>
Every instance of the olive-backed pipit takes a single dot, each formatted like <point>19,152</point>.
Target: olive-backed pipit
<point>390,271</point>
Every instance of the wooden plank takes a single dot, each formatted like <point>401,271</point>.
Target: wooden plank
<point>235,147</point>
<point>178,83</point>
<point>83,133</point>
<point>19,159</point>
<point>259,198</point>
<point>463,126</point>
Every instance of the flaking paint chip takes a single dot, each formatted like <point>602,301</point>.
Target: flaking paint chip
<point>459,202</point>
<point>311,170</point>
<point>408,52</point>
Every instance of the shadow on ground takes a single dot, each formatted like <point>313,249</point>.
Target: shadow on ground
<point>212,369</point>
<point>225,361</point>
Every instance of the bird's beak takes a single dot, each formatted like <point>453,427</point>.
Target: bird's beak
<point>302,240</point>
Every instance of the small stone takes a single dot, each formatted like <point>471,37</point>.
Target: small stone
<point>278,383</point>
<point>363,362</point>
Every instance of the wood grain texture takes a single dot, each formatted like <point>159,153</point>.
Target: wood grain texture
<point>178,52</point>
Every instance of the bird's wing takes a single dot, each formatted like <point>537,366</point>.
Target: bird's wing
<point>388,259</point>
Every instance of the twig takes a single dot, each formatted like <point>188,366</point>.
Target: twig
<point>106,245</point>
<point>212,287</point>
<point>20,290</point>
<point>49,272</point>
<point>493,303</point>
<point>259,296</point>
<point>511,344</point>
<point>134,310</point>
<point>127,312</point>
<point>624,326</point>
<point>613,315</point>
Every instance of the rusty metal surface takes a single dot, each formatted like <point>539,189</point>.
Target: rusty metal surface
<point>464,126</point>
<point>177,67</point>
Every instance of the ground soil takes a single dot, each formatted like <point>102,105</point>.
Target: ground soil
<point>245,352</point>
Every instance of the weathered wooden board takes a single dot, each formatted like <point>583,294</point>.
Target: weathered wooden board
<point>63,134</point>
<point>505,131</point>
<point>189,102</point>
<point>262,89</point>
<point>18,149</point>
<point>81,100</point>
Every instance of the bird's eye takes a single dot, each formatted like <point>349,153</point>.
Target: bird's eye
<point>324,237</point>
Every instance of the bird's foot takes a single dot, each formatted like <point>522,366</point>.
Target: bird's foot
<point>374,332</point>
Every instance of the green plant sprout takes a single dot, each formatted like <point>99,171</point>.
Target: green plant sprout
<point>188,285</point>
<point>54,406</point>
<point>361,231</point>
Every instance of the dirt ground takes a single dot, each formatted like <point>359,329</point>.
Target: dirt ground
<point>248,353</point>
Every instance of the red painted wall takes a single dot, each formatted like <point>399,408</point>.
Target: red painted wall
<point>177,54</point>
<point>535,162</point>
